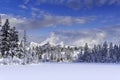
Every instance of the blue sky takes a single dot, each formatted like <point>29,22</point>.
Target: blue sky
<point>45,17</point>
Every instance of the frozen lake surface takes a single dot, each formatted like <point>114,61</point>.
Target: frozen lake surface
<point>52,71</point>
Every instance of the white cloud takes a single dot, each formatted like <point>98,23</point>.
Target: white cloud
<point>22,23</point>
<point>50,20</point>
<point>14,20</point>
<point>78,4</point>
<point>45,20</point>
<point>22,6</point>
<point>35,9</point>
<point>88,3</point>
<point>114,2</point>
<point>35,12</point>
<point>80,37</point>
<point>74,4</point>
<point>101,2</point>
<point>26,1</point>
<point>69,37</point>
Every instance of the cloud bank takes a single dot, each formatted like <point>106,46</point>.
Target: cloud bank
<point>45,20</point>
<point>90,36</point>
<point>68,37</point>
<point>78,4</point>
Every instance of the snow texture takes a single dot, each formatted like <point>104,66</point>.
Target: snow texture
<point>60,71</point>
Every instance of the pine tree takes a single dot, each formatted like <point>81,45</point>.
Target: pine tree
<point>99,53</point>
<point>9,41</point>
<point>27,55</point>
<point>85,56</point>
<point>14,42</point>
<point>104,51</point>
<point>94,54</point>
<point>5,39</point>
<point>119,54</point>
<point>111,53</point>
<point>20,54</point>
<point>115,56</point>
<point>24,48</point>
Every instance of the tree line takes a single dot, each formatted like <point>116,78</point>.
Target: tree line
<point>104,53</point>
<point>14,51</point>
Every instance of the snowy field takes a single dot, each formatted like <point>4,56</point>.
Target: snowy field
<point>52,71</point>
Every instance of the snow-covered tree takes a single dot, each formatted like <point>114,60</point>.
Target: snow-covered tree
<point>111,53</point>
<point>115,55</point>
<point>14,42</point>
<point>104,51</point>
<point>9,40</point>
<point>8,43</point>
<point>5,39</point>
<point>86,56</point>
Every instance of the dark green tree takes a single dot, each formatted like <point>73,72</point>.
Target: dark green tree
<point>5,39</point>
<point>86,55</point>
<point>9,40</point>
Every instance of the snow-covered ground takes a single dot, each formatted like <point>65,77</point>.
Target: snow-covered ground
<point>60,71</point>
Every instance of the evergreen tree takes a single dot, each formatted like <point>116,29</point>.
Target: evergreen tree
<point>104,51</point>
<point>86,56</point>
<point>26,55</point>
<point>94,54</point>
<point>111,53</point>
<point>99,53</point>
<point>116,51</point>
<point>119,54</point>
<point>14,42</point>
<point>9,40</point>
<point>21,50</point>
<point>5,39</point>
